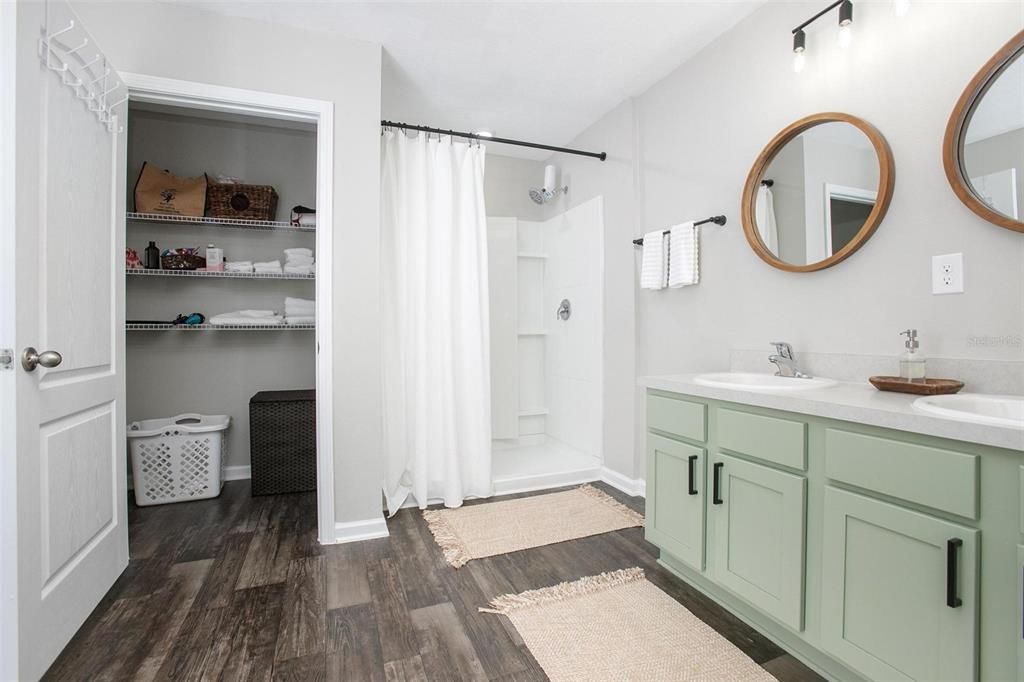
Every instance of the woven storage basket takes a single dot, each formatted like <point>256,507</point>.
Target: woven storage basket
<point>182,261</point>
<point>234,200</point>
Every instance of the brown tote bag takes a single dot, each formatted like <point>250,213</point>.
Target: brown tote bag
<point>161,191</point>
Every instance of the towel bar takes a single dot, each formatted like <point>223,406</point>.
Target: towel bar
<point>716,219</point>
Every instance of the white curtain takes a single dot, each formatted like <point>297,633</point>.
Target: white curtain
<point>436,345</point>
<point>764,216</point>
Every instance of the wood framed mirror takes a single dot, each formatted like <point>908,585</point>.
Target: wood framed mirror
<point>983,149</point>
<point>817,192</point>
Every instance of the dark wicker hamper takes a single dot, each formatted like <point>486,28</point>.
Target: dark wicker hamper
<point>247,202</point>
<point>282,441</point>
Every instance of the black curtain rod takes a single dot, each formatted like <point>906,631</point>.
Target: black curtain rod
<point>500,140</point>
<point>716,219</point>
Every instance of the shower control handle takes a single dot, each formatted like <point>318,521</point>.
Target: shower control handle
<point>564,311</point>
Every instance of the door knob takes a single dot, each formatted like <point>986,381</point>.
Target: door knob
<point>31,358</point>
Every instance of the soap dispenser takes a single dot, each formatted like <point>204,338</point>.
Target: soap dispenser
<point>912,361</point>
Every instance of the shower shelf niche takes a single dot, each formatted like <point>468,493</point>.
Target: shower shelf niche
<point>217,222</point>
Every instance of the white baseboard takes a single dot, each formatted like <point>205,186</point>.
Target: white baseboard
<point>354,531</point>
<point>241,472</point>
<point>635,487</point>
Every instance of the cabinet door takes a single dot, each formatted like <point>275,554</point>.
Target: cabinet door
<point>675,499</point>
<point>899,591</point>
<point>757,514</point>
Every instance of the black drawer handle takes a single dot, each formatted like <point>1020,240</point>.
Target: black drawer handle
<point>716,492</point>
<point>952,550</point>
<point>693,473</point>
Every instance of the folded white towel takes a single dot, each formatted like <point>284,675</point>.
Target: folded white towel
<point>255,313</point>
<point>298,260</point>
<point>684,255</point>
<point>306,220</point>
<point>300,319</point>
<point>653,261</point>
<point>238,266</point>
<point>298,269</point>
<point>298,251</point>
<point>238,319</point>
<point>273,266</point>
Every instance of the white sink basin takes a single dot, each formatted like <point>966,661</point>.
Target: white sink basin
<point>997,410</point>
<point>766,383</point>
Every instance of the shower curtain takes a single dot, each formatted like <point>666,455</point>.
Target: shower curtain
<point>436,346</point>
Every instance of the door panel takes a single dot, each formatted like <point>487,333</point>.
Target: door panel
<point>758,536</point>
<point>675,518</point>
<point>69,209</point>
<point>884,591</point>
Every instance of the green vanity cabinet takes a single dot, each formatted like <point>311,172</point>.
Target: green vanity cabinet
<point>869,553</point>
<point>899,590</point>
<point>675,504</point>
<point>757,514</point>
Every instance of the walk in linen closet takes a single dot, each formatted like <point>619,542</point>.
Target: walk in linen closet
<point>176,369</point>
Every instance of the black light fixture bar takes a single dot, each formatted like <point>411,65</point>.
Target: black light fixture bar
<point>500,140</point>
<point>822,13</point>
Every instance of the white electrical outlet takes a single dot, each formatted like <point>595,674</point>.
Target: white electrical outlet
<point>948,274</point>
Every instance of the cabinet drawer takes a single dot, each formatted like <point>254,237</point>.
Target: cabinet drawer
<point>936,478</point>
<point>781,441</point>
<point>680,417</point>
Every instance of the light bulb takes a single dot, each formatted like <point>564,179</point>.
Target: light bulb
<point>798,62</point>
<point>845,35</point>
<point>901,7</point>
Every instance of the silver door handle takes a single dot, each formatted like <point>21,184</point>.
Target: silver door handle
<point>31,358</point>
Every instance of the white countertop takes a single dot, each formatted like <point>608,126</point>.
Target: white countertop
<point>860,403</point>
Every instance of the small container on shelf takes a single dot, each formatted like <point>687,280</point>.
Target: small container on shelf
<point>182,259</point>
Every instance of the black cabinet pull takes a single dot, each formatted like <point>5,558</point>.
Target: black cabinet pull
<point>952,550</point>
<point>693,472</point>
<point>716,492</point>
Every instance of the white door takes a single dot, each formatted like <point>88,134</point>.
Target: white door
<point>69,527</point>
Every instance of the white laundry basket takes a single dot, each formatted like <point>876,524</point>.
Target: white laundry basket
<point>177,459</point>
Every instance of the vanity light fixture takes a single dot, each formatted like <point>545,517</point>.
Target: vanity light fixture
<point>845,31</point>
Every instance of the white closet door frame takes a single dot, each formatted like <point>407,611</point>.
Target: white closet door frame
<point>153,89</point>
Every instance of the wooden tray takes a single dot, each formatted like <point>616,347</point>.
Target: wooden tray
<point>925,387</point>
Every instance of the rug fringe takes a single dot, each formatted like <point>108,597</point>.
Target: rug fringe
<point>507,603</point>
<point>444,535</point>
<point>602,496</point>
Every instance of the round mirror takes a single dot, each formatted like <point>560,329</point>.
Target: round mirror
<point>817,192</point>
<point>983,151</point>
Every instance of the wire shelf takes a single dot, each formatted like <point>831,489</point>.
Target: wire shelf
<point>137,272</point>
<point>217,222</point>
<point>150,327</point>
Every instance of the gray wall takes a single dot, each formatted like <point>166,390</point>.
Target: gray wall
<point>507,183</point>
<point>683,149</point>
<point>997,153</point>
<point>175,41</point>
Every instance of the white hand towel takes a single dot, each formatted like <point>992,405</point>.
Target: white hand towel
<point>238,266</point>
<point>298,251</point>
<point>300,319</point>
<point>298,269</point>
<point>653,261</point>
<point>764,216</point>
<point>298,260</point>
<point>256,313</point>
<point>238,319</point>
<point>684,263</point>
<point>273,266</point>
<point>307,220</point>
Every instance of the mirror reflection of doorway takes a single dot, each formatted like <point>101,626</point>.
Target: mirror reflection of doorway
<point>846,211</point>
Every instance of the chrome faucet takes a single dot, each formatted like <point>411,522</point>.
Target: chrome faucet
<point>783,359</point>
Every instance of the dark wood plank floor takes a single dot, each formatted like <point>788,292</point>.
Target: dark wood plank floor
<point>238,588</point>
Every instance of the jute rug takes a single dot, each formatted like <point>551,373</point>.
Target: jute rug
<point>618,626</point>
<point>483,530</point>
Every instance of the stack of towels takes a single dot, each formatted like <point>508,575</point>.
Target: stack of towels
<point>270,267</point>
<point>238,266</point>
<point>671,260</point>
<point>299,261</point>
<point>247,318</point>
<point>299,311</point>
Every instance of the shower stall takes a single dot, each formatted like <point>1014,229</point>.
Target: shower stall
<point>546,317</point>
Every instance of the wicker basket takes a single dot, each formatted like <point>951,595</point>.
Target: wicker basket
<point>182,261</point>
<point>233,200</point>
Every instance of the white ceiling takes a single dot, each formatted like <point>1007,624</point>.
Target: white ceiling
<point>536,71</point>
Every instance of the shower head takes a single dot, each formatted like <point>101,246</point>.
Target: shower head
<point>542,195</point>
<point>538,195</point>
